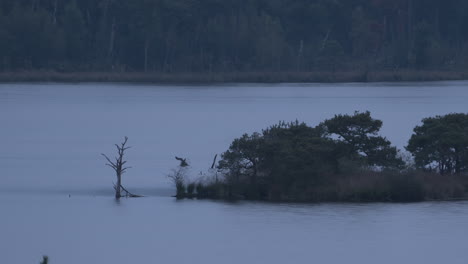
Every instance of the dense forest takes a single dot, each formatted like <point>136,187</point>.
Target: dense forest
<point>199,36</point>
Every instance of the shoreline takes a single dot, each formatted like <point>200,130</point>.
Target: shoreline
<point>235,77</point>
<point>426,200</point>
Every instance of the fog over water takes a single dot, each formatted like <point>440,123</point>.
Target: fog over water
<point>53,135</point>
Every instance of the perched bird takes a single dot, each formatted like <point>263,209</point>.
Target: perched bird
<point>183,162</point>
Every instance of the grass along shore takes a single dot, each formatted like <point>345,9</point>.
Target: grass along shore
<point>236,77</point>
<point>364,186</point>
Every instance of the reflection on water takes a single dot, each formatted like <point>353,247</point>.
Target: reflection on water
<point>83,229</point>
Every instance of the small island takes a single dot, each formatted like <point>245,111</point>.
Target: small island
<point>343,159</point>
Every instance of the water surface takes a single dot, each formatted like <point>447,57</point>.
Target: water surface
<point>56,194</point>
<point>54,133</point>
<point>83,229</point>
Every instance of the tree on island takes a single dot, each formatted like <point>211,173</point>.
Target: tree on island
<point>359,132</point>
<point>441,144</point>
<point>118,167</point>
<point>242,157</point>
<point>293,161</point>
<point>342,159</point>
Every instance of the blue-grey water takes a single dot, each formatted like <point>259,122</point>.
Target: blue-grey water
<point>56,193</point>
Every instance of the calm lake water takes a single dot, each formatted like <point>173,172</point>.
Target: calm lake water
<point>56,193</point>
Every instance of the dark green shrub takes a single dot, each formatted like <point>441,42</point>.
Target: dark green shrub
<point>190,189</point>
<point>405,188</point>
<point>180,190</point>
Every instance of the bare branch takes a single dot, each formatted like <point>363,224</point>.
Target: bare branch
<point>118,167</point>
<point>214,161</point>
<point>107,158</point>
<point>112,166</point>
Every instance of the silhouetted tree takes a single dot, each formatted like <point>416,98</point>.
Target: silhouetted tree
<point>441,144</point>
<point>342,159</point>
<point>118,167</point>
<point>360,133</point>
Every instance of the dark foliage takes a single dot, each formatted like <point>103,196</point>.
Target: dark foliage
<point>200,36</point>
<point>289,161</point>
<point>343,159</point>
<point>360,134</point>
<point>178,177</point>
<point>441,144</point>
<point>190,189</point>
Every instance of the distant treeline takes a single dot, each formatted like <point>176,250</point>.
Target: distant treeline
<point>341,159</point>
<point>209,36</point>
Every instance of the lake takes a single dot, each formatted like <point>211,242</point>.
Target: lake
<point>56,192</point>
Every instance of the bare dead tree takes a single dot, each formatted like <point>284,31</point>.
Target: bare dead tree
<point>118,167</point>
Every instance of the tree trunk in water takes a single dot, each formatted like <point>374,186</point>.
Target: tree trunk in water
<point>118,186</point>
<point>118,167</point>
